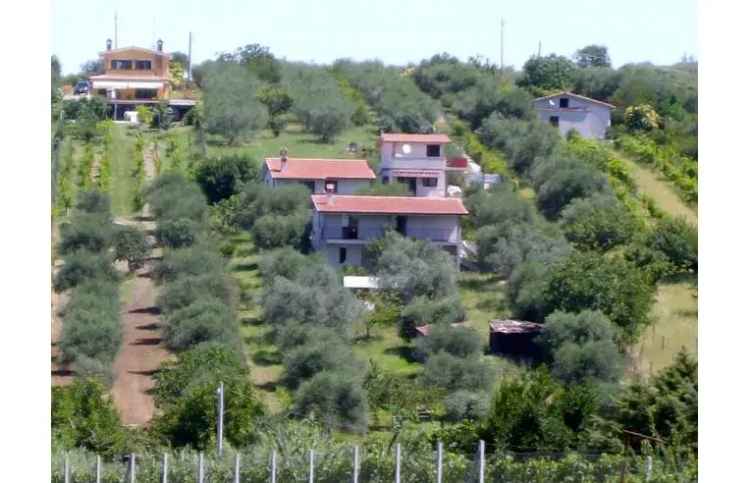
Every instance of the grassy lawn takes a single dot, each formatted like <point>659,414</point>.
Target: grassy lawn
<point>388,351</point>
<point>123,186</point>
<point>675,316</point>
<point>483,297</point>
<point>653,184</point>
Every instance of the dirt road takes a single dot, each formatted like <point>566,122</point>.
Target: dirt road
<point>140,355</point>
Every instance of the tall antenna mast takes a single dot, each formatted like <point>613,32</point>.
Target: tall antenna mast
<point>539,52</point>
<point>115,28</point>
<point>502,43</point>
<point>190,56</point>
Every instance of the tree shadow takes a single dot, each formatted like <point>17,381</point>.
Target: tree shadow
<point>245,267</point>
<point>63,372</point>
<point>404,351</point>
<point>147,341</point>
<point>153,326</point>
<point>269,386</point>
<point>153,310</point>
<point>266,357</point>
<point>148,372</point>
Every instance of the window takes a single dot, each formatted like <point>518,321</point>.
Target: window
<point>143,65</point>
<point>331,186</point>
<point>342,255</point>
<point>145,93</point>
<point>554,120</point>
<point>429,182</point>
<point>433,150</point>
<point>122,64</point>
<point>386,180</point>
<point>564,102</point>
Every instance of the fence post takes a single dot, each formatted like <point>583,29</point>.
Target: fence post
<point>312,466</point>
<point>649,467</point>
<point>356,465</point>
<point>481,461</point>
<point>164,469</point>
<point>398,462</point>
<point>273,467</point>
<point>237,468</point>
<point>66,468</point>
<point>200,467</point>
<point>440,462</point>
<point>98,469</point>
<point>132,467</point>
<point>220,419</point>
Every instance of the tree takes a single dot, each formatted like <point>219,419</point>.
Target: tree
<point>83,415</point>
<point>131,246</point>
<point>454,373</point>
<point>560,180</point>
<point>457,341</point>
<point>609,284</point>
<point>642,117</point>
<point>81,266</point>
<point>222,177</point>
<point>207,319</point>
<point>677,240</point>
<point>319,102</point>
<point>178,233</point>
<point>582,347</point>
<point>598,222</point>
<point>466,406</point>
<point>592,56</point>
<point>337,400</point>
<point>424,310</point>
<point>92,67</point>
<point>551,72</point>
<point>230,104</point>
<point>85,232</point>
<point>521,141</point>
<point>283,262</point>
<point>259,60</point>
<point>145,115</point>
<point>324,350</point>
<point>185,290</point>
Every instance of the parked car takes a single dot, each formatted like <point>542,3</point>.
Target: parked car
<point>82,87</point>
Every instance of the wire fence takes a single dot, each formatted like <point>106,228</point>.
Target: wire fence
<point>359,464</point>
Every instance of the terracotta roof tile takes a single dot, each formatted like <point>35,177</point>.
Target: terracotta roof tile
<point>415,138</point>
<point>309,168</point>
<point>389,205</point>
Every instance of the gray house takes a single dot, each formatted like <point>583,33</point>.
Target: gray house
<point>565,110</point>
<point>343,225</point>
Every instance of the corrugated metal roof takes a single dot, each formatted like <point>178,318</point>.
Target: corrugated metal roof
<point>514,326</point>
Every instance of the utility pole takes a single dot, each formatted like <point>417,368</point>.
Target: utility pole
<point>115,28</point>
<point>539,52</point>
<point>190,56</point>
<point>220,419</point>
<point>502,44</point>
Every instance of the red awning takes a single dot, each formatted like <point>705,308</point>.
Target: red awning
<point>415,173</point>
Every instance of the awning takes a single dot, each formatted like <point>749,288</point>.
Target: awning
<point>414,173</point>
<point>140,84</point>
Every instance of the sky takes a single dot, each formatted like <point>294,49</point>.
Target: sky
<point>394,31</point>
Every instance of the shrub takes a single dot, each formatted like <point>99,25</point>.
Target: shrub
<point>94,202</point>
<point>145,115</point>
<point>335,399</point>
<point>457,341</point>
<point>677,240</point>
<point>598,222</point>
<point>205,320</point>
<point>454,373</point>
<point>422,310</point>
<point>130,245</point>
<point>560,181</point>
<point>521,141</point>
<point>466,406</point>
<point>323,351</point>
<point>178,233</point>
<point>191,261</point>
<point>91,232</point>
<point>170,196</point>
<point>220,178</point>
<point>185,290</point>
<point>283,262</point>
<point>82,266</point>
<point>641,118</point>
<point>582,346</point>
<point>275,231</point>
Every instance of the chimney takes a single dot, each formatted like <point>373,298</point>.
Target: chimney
<point>160,45</point>
<point>109,44</point>
<point>283,154</point>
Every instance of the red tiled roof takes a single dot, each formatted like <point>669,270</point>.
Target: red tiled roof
<point>571,94</point>
<point>514,327</point>
<point>389,205</point>
<point>415,138</point>
<point>304,168</point>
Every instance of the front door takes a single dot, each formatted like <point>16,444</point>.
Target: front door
<point>401,225</point>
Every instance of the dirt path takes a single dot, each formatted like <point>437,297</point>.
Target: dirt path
<point>140,355</point>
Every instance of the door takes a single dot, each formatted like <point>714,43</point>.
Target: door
<point>401,224</point>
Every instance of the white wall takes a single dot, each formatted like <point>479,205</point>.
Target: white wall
<point>591,121</point>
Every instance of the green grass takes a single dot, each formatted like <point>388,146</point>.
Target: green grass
<point>675,326</point>
<point>656,186</point>
<point>388,351</point>
<point>483,296</point>
<point>123,186</point>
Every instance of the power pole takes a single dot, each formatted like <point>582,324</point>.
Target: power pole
<point>115,28</point>
<point>220,419</point>
<point>539,52</point>
<point>190,56</point>
<point>502,44</point>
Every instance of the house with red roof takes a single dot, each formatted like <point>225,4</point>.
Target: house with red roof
<point>343,225</point>
<point>418,160</point>
<point>567,111</point>
<point>344,176</point>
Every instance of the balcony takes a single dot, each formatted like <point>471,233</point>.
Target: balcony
<point>361,236</point>
<point>413,163</point>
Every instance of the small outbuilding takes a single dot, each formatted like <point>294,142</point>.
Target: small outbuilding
<point>514,337</point>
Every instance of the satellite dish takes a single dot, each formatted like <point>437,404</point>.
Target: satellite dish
<point>551,102</point>
<point>406,149</point>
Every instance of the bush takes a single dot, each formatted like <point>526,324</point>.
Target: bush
<point>582,346</point>
<point>170,196</point>
<point>457,341</point>
<point>220,178</point>
<point>283,262</point>
<point>275,231</point>
<point>323,351</point>
<point>185,290</point>
<point>83,266</point>
<point>466,406</point>
<point>205,320</point>
<point>521,141</point>
<point>83,416</point>
<point>677,240</point>
<point>178,233</point>
<point>94,202</point>
<point>599,222</point>
<point>258,199</point>
<point>560,181</point>
<point>335,399</point>
<point>91,232</point>
<point>455,373</point>
<point>422,310</point>
<point>130,245</point>
<point>191,261</point>
<point>551,72</point>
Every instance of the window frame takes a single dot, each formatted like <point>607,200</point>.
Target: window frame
<point>137,62</point>
<point>554,121</point>
<point>432,147</point>
<point>429,182</point>
<point>334,183</point>
<point>566,102</point>
<point>118,64</point>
